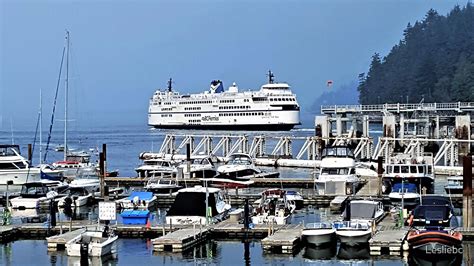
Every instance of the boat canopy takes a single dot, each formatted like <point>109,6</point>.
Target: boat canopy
<point>141,195</point>
<point>363,209</point>
<point>432,213</point>
<point>405,187</point>
<point>192,204</point>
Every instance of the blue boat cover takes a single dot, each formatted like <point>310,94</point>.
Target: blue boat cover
<point>142,195</point>
<point>135,213</point>
<point>409,187</point>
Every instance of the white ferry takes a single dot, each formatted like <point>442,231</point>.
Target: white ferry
<point>273,107</point>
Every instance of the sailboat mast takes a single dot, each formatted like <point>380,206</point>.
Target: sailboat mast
<point>41,128</point>
<point>66,96</point>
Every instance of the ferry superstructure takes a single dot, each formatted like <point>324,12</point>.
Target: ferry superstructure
<point>273,107</point>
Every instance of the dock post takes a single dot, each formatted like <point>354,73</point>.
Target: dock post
<point>101,174</point>
<point>246,214</point>
<point>30,153</point>
<point>188,159</point>
<point>467,192</point>
<point>379,174</point>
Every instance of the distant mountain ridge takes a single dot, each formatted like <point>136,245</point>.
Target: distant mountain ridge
<point>434,62</point>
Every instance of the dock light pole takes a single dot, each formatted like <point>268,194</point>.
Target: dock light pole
<point>467,211</point>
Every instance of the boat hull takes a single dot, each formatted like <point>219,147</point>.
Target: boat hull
<point>318,237</point>
<point>73,248</point>
<point>20,176</point>
<point>352,238</point>
<point>269,127</point>
<point>434,242</point>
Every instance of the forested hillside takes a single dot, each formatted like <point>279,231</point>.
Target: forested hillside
<point>434,61</point>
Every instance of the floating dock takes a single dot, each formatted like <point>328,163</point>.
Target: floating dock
<point>391,242</point>
<point>337,203</point>
<point>285,240</point>
<point>59,241</point>
<point>7,233</point>
<point>180,240</point>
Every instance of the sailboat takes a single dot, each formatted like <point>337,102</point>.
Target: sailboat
<point>74,164</point>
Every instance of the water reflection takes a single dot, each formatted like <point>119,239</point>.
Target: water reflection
<point>422,258</point>
<point>327,251</point>
<point>359,252</point>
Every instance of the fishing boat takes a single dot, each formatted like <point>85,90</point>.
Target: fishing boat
<point>273,208</point>
<point>33,194</point>
<point>77,165</point>
<point>406,192</point>
<point>15,168</point>
<point>138,200</point>
<point>198,205</point>
<point>337,167</point>
<point>273,107</point>
<point>455,185</point>
<point>97,244</point>
<point>404,168</point>
<point>318,233</point>
<point>75,197</point>
<point>434,239</point>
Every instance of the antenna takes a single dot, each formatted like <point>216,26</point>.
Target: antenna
<point>170,83</point>
<point>11,128</point>
<point>66,96</point>
<point>270,77</point>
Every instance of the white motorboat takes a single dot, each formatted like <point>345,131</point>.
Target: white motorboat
<point>406,192</point>
<point>75,197</point>
<point>337,174</point>
<point>273,207</point>
<point>455,185</point>
<point>353,232</point>
<point>198,205</point>
<point>160,185</point>
<point>76,165</point>
<point>365,210</point>
<point>14,167</point>
<point>138,200</point>
<point>97,244</point>
<point>294,196</point>
<point>33,194</point>
<point>318,233</point>
<point>91,183</point>
<point>199,168</point>
<point>157,168</point>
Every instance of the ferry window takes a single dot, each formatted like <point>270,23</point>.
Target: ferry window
<point>389,169</point>
<point>271,99</point>
<point>404,169</point>
<point>396,168</point>
<point>353,171</point>
<point>429,169</point>
<point>413,169</point>
<point>420,169</point>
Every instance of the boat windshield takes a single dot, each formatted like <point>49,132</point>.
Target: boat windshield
<point>240,160</point>
<point>9,150</point>
<point>34,190</point>
<point>406,188</point>
<point>337,151</point>
<point>337,171</point>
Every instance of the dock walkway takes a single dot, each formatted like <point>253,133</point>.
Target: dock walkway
<point>180,240</point>
<point>286,240</point>
<point>391,241</point>
<point>59,241</point>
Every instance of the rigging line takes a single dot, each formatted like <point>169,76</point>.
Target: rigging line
<point>54,106</point>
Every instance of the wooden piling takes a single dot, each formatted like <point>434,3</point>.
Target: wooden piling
<point>467,192</point>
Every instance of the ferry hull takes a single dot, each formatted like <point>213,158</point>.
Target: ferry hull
<point>270,127</point>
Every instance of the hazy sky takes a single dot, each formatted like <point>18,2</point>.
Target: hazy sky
<point>121,51</point>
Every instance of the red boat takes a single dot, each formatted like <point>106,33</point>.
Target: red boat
<point>434,240</point>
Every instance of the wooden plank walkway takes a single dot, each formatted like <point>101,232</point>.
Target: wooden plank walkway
<point>180,240</point>
<point>59,241</point>
<point>337,203</point>
<point>388,241</point>
<point>286,239</point>
<point>370,188</point>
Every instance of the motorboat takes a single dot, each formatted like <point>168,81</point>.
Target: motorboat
<point>273,208</point>
<point>236,172</point>
<point>199,167</point>
<point>404,192</point>
<point>14,167</point>
<point>75,197</point>
<point>337,173</point>
<point>97,244</point>
<point>33,194</point>
<point>353,232</point>
<point>432,211</point>
<point>455,185</point>
<point>49,173</point>
<point>90,183</point>
<point>404,168</point>
<point>157,168</point>
<point>138,200</point>
<point>198,205</point>
<point>433,239</point>
<point>294,196</point>
<point>360,219</point>
<point>318,233</point>
<point>76,164</point>
<point>161,185</point>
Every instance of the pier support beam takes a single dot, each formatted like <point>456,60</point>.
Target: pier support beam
<point>467,211</point>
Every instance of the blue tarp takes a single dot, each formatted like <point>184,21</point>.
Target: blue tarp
<point>142,195</point>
